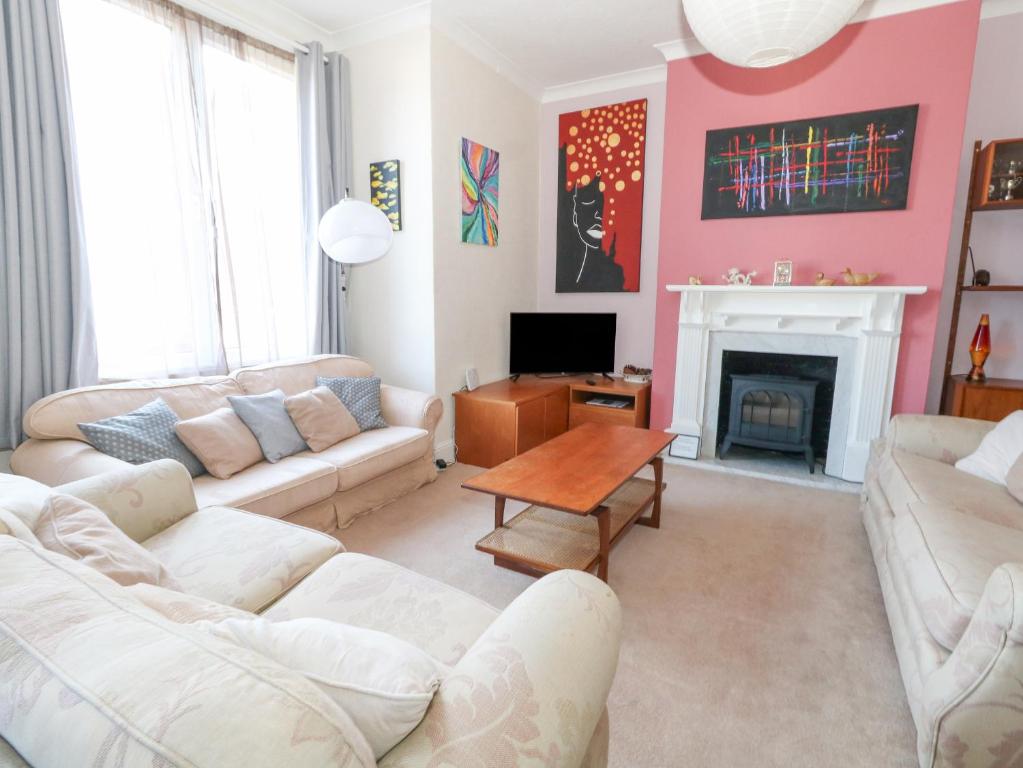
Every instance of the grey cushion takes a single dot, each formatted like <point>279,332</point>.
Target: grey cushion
<point>269,421</point>
<point>145,434</point>
<point>360,395</point>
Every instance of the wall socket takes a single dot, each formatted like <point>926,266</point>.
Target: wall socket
<point>472,379</point>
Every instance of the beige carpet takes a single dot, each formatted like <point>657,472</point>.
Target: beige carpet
<point>755,634</point>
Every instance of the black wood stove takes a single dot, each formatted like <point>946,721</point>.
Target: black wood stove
<point>772,412</point>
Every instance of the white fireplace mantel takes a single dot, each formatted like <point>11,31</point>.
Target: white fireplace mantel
<point>871,315</point>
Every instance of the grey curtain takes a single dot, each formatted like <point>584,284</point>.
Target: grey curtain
<point>46,335</point>
<point>326,145</point>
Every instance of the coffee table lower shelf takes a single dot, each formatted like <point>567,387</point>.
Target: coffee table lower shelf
<point>543,540</point>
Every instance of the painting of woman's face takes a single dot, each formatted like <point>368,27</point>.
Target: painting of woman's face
<point>601,170</point>
<point>588,213</point>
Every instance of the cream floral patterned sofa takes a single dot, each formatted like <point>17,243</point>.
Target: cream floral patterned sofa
<point>93,673</point>
<point>323,490</point>
<point>949,553</point>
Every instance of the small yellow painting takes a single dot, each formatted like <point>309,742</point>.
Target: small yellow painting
<point>385,190</point>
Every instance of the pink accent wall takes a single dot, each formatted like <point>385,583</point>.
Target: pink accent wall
<point>924,58</point>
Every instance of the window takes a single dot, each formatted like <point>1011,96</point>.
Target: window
<point>188,159</point>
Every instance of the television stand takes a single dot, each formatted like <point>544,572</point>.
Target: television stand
<point>502,419</point>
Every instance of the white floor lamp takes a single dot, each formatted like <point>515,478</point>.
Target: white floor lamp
<point>354,232</point>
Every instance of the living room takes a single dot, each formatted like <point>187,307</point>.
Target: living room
<point>486,384</point>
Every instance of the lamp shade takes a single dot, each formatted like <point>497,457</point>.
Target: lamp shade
<point>766,33</point>
<point>354,232</point>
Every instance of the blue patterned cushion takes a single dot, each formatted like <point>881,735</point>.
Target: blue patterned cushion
<point>268,419</point>
<point>145,434</point>
<point>360,395</point>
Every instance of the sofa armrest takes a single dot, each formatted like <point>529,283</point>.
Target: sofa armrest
<point>55,462</point>
<point>408,408</point>
<point>140,500</point>
<point>943,438</point>
<point>972,702</point>
<point>532,688</point>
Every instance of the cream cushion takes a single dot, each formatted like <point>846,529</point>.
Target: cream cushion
<point>183,608</point>
<point>373,453</point>
<point>907,478</point>
<point>274,490</point>
<point>239,558</point>
<point>220,441</point>
<point>321,418</point>
<point>298,376</point>
<point>948,557</point>
<point>383,683</point>
<point>76,529</point>
<point>1014,480</point>
<point>357,589</point>
<point>998,451</point>
<point>59,414</point>
<point>98,679</point>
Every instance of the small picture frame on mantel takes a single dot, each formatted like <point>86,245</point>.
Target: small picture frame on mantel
<point>783,273</point>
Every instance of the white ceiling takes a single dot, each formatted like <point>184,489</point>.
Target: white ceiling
<point>541,44</point>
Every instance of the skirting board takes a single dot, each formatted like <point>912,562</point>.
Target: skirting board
<point>444,450</point>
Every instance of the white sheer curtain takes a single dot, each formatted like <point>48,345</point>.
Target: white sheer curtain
<point>188,144</point>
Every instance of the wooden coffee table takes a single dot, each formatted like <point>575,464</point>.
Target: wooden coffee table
<point>584,497</point>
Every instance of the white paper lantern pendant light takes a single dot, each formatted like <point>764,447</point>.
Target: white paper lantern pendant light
<point>766,33</point>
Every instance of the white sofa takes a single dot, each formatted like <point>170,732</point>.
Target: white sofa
<point>324,490</point>
<point>949,553</point>
<point>93,673</point>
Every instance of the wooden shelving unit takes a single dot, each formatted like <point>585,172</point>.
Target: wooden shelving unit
<point>986,175</point>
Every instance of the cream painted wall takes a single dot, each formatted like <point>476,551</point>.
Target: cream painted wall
<point>995,112</point>
<point>635,339</point>
<point>475,286</point>
<point>391,301</point>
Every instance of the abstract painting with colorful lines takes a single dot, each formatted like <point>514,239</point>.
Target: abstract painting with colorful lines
<point>480,172</point>
<point>836,164</point>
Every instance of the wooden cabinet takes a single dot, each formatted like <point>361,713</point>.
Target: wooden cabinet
<point>635,413</point>
<point>991,400</point>
<point>497,421</point>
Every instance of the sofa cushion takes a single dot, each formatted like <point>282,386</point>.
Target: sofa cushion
<point>384,684</point>
<point>275,490</point>
<point>1014,480</point>
<point>76,529</point>
<point>907,478</point>
<point>143,435</point>
<point>321,418</point>
<point>998,451</point>
<point>358,589</point>
<point>98,679</point>
<point>298,375</point>
<point>269,421</point>
<point>182,608</point>
<point>360,395</point>
<point>371,454</point>
<point>947,558</point>
<point>221,441</point>
<point>239,558</point>
<point>59,414</point>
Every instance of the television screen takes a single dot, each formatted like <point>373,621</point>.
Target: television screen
<point>562,342</point>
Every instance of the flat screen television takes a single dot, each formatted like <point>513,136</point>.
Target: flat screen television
<point>562,342</point>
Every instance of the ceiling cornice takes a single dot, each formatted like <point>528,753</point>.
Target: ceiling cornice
<point>872,9</point>
<point>413,17</point>
<point>595,85</point>
<point>991,9</point>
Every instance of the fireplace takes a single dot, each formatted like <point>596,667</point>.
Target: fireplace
<point>771,412</point>
<point>791,389</point>
<point>860,326</point>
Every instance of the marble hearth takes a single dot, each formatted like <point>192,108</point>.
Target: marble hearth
<point>860,326</point>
